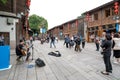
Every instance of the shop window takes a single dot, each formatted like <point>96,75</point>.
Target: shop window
<point>96,27</point>
<point>61,27</point>
<point>104,27</point>
<point>88,29</point>
<point>93,28</point>
<point>107,13</point>
<point>110,26</point>
<point>96,16</point>
<point>73,25</point>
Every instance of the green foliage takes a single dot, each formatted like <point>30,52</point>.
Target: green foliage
<point>4,1</point>
<point>82,16</point>
<point>36,22</point>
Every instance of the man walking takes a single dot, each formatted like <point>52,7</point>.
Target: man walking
<point>52,41</point>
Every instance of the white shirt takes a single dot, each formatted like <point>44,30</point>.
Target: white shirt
<point>117,44</point>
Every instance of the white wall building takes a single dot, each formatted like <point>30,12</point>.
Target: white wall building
<point>8,27</point>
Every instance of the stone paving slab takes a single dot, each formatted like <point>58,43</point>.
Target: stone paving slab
<point>85,65</point>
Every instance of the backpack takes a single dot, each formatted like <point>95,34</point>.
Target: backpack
<point>39,62</point>
<point>56,54</point>
<point>71,43</point>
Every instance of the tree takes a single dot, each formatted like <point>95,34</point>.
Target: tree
<point>82,16</point>
<point>36,22</point>
<point>4,1</point>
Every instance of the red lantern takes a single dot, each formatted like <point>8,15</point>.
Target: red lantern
<point>28,3</point>
<point>116,7</point>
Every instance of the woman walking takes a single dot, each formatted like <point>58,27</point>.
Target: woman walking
<point>116,48</point>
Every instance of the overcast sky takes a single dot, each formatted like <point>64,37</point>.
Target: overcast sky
<point>57,12</point>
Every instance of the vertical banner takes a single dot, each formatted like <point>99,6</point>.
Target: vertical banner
<point>117,27</point>
<point>43,30</point>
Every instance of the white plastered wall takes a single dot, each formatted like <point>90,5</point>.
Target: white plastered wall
<point>11,28</point>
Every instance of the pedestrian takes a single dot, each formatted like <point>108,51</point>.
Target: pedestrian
<point>52,41</point>
<point>47,39</point>
<point>102,39</point>
<point>97,42</point>
<point>67,41</point>
<point>92,37</point>
<point>56,38</point>
<point>64,40</point>
<point>112,35</point>
<point>31,39</point>
<point>116,48</point>
<point>106,46</point>
<point>2,40</point>
<point>83,42</point>
<point>77,46</point>
<point>71,44</point>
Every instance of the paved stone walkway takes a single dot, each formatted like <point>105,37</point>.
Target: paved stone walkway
<point>85,65</point>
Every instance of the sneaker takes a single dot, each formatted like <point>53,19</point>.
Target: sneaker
<point>105,73</point>
<point>115,62</point>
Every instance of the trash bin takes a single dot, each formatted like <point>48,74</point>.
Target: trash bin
<point>4,57</point>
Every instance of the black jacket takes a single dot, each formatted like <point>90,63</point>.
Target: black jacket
<point>78,41</point>
<point>18,49</point>
<point>106,46</point>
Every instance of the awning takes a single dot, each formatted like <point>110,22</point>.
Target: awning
<point>8,14</point>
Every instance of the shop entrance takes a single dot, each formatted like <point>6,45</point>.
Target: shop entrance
<point>6,37</point>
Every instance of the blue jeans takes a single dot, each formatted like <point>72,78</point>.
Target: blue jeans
<point>52,42</point>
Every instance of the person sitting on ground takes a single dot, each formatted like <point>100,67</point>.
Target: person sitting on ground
<point>22,50</point>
